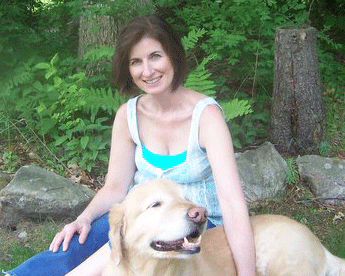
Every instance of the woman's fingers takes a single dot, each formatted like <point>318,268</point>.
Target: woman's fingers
<point>84,233</point>
<point>65,236</point>
<point>69,235</point>
<point>59,237</point>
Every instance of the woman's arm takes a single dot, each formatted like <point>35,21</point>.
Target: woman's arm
<point>216,139</point>
<point>121,170</point>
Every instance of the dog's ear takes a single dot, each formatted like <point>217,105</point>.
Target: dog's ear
<point>117,232</point>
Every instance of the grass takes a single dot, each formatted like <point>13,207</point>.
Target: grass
<point>16,250</point>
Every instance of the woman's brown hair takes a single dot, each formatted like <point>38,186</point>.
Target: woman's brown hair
<point>154,27</point>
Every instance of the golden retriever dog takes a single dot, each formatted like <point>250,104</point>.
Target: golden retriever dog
<point>156,232</point>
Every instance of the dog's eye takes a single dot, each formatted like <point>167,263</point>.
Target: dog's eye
<point>155,204</point>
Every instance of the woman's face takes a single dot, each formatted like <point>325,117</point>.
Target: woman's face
<point>150,66</point>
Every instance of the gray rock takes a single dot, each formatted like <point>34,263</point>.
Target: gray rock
<point>37,193</point>
<point>325,177</point>
<point>262,172</point>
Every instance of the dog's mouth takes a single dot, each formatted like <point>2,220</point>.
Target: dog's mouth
<point>187,245</point>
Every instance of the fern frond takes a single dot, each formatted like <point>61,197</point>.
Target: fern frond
<point>235,108</point>
<point>190,41</point>
<point>95,100</point>
<point>21,75</point>
<point>200,79</point>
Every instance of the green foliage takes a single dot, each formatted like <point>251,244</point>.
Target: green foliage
<point>325,148</point>
<point>239,34</point>
<point>30,28</point>
<point>249,129</point>
<point>16,251</point>
<point>333,78</point>
<point>291,176</point>
<point>18,254</point>
<point>68,112</point>
<point>329,17</point>
<point>200,80</point>
<point>236,108</point>
<point>190,41</point>
<point>122,10</point>
<point>10,160</point>
<point>68,103</point>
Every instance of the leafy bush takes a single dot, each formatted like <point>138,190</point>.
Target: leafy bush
<point>69,112</point>
<point>239,34</point>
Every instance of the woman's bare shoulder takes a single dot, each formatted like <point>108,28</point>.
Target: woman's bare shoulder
<point>195,96</point>
<point>120,125</point>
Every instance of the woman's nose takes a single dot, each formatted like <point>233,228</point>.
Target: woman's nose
<point>147,69</point>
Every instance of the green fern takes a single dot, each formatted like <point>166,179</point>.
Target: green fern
<point>21,75</point>
<point>101,99</point>
<point>235,108</point>
<point>190,41</point>
<point>200,79</point>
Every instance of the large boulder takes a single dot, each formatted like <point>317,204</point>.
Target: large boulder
<point>262,172</point>
<point>38,194</point>
<point>325,177</point>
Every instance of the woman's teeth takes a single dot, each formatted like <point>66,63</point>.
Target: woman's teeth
<point>153,80</point>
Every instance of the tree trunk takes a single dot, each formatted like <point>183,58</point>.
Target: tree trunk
<point>297,119</point>
<point>100,30</point>
<point>96,31</point>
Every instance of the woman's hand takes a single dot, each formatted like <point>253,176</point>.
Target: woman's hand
<point>81,226</point>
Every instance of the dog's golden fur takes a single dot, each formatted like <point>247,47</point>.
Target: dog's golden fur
<point>148,227</point>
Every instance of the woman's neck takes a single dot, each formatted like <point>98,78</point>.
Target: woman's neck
<point>165,102</point>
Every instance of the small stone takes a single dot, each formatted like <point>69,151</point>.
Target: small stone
<point>22,235</point>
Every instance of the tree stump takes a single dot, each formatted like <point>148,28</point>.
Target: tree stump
<point>297,119</point>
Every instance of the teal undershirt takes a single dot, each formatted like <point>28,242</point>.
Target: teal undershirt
<point>162,161</point>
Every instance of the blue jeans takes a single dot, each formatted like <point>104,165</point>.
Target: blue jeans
<point>60,263</point>
<point>48,263</point>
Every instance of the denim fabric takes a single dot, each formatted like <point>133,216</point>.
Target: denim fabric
<point>48,263</point>
<point>210,224</point>
<point>194,174</point>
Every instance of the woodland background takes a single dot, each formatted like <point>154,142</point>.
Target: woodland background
<point>57,103</point>
<point>56,99</point>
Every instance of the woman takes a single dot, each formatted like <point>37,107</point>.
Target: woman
<point>170,132</point>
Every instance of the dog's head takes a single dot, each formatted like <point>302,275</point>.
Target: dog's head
<point>155,220</point>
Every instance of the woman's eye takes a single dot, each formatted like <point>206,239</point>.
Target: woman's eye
<point>155,56</point>
<point>134,62</point>
<point>155,204</point>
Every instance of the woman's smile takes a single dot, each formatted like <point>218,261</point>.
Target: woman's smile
<point>153,81</point>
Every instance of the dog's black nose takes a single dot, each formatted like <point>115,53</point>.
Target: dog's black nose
<point>197,214</point>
